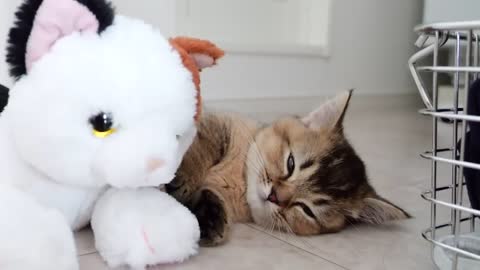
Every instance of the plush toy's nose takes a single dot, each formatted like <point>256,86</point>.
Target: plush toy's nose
<point>154,164</point>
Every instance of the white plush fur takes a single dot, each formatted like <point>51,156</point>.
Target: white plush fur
<point>51,157</point>
<point>140,227</point>
<point>33,236</point>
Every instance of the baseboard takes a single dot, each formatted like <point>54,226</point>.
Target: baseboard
<point>301,104</point>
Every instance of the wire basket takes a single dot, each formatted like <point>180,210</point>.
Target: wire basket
<point>452,231</point>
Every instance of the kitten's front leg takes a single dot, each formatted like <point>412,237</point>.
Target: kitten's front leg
<point>210,209</point>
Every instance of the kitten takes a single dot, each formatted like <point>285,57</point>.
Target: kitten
<point>296,175</point>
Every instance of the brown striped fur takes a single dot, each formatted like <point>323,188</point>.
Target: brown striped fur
<point>238,171</point>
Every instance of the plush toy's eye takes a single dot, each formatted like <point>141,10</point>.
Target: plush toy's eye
<point>102,124</point>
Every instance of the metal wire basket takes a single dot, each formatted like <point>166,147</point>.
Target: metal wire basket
<point>455,241</point>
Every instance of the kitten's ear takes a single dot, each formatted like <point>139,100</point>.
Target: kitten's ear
<point>330,114</point>
<point>377,210</point>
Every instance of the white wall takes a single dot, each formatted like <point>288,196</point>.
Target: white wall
<point>157,12</point>
<point>448,10</point>
<point>371,41</point>
<point>286,26</point>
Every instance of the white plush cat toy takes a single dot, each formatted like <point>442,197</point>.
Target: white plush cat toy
<point>101,114</point>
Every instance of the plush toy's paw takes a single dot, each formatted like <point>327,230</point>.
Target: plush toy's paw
<point>34,237</point>
<point>143,227</point>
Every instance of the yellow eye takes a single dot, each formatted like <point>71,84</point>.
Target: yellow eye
<point>103,134</point>
<point>102,125</point>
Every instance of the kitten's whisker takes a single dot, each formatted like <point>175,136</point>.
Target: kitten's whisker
<point>253,144</point>
<point>292,235</point>
<point>258,163</point>
<point>274,226</point>
<point>271,226</point>
<point>287,231</point>
<point>258,168</point>
<point>272,219</point>
<point>350,222</point>
<point>277,223</point>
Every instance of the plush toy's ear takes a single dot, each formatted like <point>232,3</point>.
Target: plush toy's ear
<point>203,52</point>
<point>40,23</point>
<point>196,55</point>
<point>54,20</point>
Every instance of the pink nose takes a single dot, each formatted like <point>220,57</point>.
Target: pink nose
<point>154,164</point>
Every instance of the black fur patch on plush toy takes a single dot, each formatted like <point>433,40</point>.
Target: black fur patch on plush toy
<point>3,97</point>
<point>25,15</point>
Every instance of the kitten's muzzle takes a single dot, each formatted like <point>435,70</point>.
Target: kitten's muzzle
<point>274,198</point>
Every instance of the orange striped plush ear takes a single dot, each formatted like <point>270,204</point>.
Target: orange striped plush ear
<point>196,55</point>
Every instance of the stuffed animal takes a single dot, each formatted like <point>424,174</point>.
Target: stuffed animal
<point>101,114</point>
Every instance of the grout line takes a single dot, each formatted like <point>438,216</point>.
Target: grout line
<point>296,246</point>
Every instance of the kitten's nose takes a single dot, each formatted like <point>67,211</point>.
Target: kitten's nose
<point>273,197</point>
<point>280,195</point>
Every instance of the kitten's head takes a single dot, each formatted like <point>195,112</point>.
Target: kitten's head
<point>304,176</point>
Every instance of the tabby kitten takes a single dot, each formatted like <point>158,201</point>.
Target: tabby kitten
<point>298,175</point>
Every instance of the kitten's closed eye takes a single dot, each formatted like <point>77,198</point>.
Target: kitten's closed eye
<point>305,209</point>
<point>320,201</point>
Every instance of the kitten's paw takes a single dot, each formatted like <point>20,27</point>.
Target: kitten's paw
<point>179,189</point>
<point>211,213</point>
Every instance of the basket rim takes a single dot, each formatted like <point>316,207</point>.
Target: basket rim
<point>455,25</point>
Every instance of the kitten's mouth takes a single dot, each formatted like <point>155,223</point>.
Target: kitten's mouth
<point>272,197</point>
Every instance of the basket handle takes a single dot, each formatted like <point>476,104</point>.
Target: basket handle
<point>428,50</point>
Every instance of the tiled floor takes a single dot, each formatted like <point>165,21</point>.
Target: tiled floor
<point>389,135</point>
